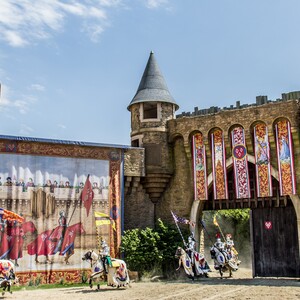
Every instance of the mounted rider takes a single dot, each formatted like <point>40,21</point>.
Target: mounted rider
<point>105,255</point>
<point>229,246</point>
<point>221,246</point>
<point>5,270</point>
<point>191,247</point>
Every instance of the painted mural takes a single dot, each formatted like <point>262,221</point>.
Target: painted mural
<point>240,163</point>
<point>199,166</point>
<point>262,161</point>
<point>58,198</point>
<point>219,165</point>
<point>285,157</point>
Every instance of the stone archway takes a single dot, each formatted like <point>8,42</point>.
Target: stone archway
<point>197,207</point>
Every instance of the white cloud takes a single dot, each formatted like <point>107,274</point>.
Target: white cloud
<point>24,21</point>
<point>156,3</point>
<point>25,130</point>
<point>61,126</point>
<point>37,87</point>
<point>8,101</point>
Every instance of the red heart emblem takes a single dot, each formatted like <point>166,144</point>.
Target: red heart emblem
<point>268,225</point>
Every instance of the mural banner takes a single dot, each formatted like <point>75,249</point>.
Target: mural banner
<point>262,161</point>
<point>199,166</point>
<point>219,165</point>
<point>240,163</point>
<point>54,195</point>
<point>285,157</point>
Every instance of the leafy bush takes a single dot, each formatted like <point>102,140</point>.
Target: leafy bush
<point>150,249</point>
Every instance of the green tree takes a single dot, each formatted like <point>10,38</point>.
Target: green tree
<point>147,249</point>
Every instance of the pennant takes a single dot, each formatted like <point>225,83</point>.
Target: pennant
<point>182,220</point>
<point>87,195</point>
<point>104,219</point>
<point>215,221</point>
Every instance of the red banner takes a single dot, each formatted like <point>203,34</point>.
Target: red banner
<point>87,195</point>
<point>287,180</point>
<point>240,163</point>
<point>262,161</point>
<point>219,165</point>
<point>199,164</point>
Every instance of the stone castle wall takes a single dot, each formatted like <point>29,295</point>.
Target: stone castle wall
<point>178,195</point>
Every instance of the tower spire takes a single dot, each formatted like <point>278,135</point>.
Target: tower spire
<point>152,87</point>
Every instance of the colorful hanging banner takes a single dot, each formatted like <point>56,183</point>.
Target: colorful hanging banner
<point>219,165</point>
<point>262,161</point>
<point>285,157</point>
<point>240,163</point>
<point>199,165</point>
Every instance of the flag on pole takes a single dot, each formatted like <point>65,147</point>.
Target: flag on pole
<point>10,215</point>
<point>182,220</point>
<point>215,221</point>
<point>104,219</point>
<point>87,195</point>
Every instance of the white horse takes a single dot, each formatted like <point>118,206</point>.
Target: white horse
<point>117,273</point>
<point>8,275</point>
<point>222,263</point>
<point>198,268</point>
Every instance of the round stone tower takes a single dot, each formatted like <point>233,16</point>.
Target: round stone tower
<point>151,108</point>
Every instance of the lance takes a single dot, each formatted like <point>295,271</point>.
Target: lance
<point>176,223</point>
<point>202,224</point>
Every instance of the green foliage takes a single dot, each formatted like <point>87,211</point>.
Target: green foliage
<point>236,215</point>
<point>148,249</point>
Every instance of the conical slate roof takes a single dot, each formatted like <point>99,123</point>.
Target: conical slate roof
<point>153,87</point>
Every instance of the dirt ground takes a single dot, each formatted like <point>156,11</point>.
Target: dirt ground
<point>241,286</point>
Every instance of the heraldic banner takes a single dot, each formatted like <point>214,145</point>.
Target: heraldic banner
<point>219,165</point>
<point>199,166</point>
<point>285,158</point>
<point>262,161</point>
<point>240,163</point>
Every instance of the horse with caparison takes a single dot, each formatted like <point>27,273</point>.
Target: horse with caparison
<point>117,272</point>
<point>7,275</point>
<point>198,267</point>
<point>222,262</point>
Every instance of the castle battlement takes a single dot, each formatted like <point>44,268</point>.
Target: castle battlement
<point>260,100</point>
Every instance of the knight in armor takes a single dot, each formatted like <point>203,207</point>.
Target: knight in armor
<point>105,255</point>
<point>229,245</point>
<point>221,246</point>
<point>191,246</point>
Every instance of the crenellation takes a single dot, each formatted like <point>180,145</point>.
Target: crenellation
<point>260,100</point>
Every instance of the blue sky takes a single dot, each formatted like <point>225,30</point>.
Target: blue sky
<point>69,69</point>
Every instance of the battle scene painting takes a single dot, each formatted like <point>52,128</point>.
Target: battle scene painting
<point>47,192</point>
